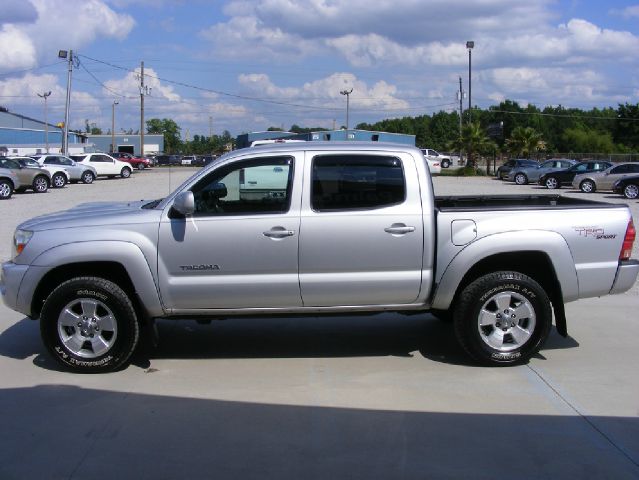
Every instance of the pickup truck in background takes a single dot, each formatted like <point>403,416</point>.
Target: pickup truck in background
<point>309,229</point>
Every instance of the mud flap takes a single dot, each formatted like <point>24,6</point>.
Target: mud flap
<point>560,318</point>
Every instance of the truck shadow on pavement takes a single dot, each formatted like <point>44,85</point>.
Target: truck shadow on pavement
<point>288,337</point>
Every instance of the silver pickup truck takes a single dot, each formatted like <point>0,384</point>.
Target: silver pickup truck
<point>315,228</point>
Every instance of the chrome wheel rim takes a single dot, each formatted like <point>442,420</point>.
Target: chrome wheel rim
<point>587,187</point>
<point>506,321</point>
<point>520,179</point>
<point>126,172</point>
<point>551,182</point>
<point>631,191</point>
<point>140,166</point>
<point>59,181</point>
<point>87,328</point>
<point>5,190</point>
<point>40,185</point>
<point>87,177</point>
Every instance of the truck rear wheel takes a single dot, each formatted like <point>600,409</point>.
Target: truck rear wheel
<point>89,325</point>
<point>502,318</point>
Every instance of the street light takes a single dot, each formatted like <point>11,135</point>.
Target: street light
<point>115,102</point>
<point>470,45</point>
<point>348,96</point>
<point>45,95</point>
<point>65,134</point>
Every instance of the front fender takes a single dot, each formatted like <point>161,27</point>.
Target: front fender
<point>550,243</point>
<point>124,253</point>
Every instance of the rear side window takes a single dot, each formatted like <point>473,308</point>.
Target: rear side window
<point>356,182</point>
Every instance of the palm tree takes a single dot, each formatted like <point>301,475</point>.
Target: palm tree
<point>473,141</point>
<point>524,141</point>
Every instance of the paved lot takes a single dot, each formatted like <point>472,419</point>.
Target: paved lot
<point>374,397</point>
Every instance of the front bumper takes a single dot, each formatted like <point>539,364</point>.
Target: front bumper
<point>10,280</point>
<point>626,276</point>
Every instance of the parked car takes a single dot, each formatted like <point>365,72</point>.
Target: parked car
<point>36,179</point>
<point>433,165</point>
<point>189,160</point>
<point>78,172</point>
<point>8,183</point>
<point>59,176</point>
<point>444,160</point>
<point>627,186</point>
<point>565,177</point>
<point>604,180</point>
<point>104,164</point>
<point>136,162</point>
<point>503,171</point>
<point>208,159</point>
<point>525,175</point>
<point>168,160</point>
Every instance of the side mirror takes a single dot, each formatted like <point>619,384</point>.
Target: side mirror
<point>184,203</point>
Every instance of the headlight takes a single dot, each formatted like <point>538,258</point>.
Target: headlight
<point>20,240</point>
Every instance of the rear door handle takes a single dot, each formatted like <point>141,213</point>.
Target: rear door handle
<point>399,229</point>
<point>278,232</point>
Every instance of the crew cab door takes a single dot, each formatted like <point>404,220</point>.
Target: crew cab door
<point>239,249</point>
<point>361,232</point>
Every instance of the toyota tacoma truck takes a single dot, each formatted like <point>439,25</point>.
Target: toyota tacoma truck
<point>315,228</point>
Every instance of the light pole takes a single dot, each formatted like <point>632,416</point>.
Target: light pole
<point>65,133</point>
<point>45,95</point>
<point>348,96</point>
<point>470,45</point>
<point>113,125</point>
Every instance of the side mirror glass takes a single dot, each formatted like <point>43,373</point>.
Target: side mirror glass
<point>184,203</point>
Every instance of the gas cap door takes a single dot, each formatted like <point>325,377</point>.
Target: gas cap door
<point>463,231</point>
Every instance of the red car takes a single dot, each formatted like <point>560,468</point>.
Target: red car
<point>135,162</point>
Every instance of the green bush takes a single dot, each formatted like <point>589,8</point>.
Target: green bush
<point>469,172</point>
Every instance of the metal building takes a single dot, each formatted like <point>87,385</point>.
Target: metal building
<point>127,143</point>
<point>246,139</point>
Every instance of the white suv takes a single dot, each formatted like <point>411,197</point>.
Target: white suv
<point>105,164</point>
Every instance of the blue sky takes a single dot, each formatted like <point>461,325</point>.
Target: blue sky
<point>244,65</point>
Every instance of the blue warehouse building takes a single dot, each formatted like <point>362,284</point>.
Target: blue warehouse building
<point>127,143</point>
<point>245,139</point>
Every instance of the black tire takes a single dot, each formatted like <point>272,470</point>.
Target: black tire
<point>552,183</point>
<point>6,189</point>
<point>88,177</point>
<point>445,163</point>
<point>521,179</point>
<point>587,186</point>
<point>519,310</point>
<point>58,180</point>
<point>125,173</point>
<point>91,302</point>
<point>141,166</point>
<point>40,184</point>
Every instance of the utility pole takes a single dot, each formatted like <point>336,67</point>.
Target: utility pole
<point>460,95</point>
<point>210,127</point>
<point>142,109</point>
<point>45,95</point>
<point>348,96</point>
<point>65,132</point>
<point>115,102</point>
<point>470,45</point>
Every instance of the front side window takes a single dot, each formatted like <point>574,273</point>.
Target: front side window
<point>355,182</point>
<point>257,186</point>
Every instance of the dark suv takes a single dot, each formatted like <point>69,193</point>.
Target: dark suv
<point>168,160</point>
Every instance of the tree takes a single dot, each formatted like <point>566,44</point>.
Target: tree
<point>473,141</point>
<point>588,141</point>
<point>523,141</point>
<point>170,130</point>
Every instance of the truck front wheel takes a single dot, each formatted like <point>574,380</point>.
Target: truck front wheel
<point>89,325</point>
<point>502,318</point>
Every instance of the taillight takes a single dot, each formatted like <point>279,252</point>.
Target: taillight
<point>629,239</point>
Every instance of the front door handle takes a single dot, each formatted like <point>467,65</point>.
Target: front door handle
<point>278,232</point>
<point>399,229</point>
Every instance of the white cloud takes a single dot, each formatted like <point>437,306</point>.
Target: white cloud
<point>59,24</point>
<point>129,86</point>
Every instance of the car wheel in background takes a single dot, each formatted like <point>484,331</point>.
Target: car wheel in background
<point>6,189</point>
<point>631,191</point>
<point>587,186</point>
<point>141,166</point>
<point>88,177</point>
<point>552,183</point>
<point>126,172</point>
<point>521,179</point>
<point>40,184</point>
<point>502,318</point>
<point>445,163</point>
<point>58,180</point>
